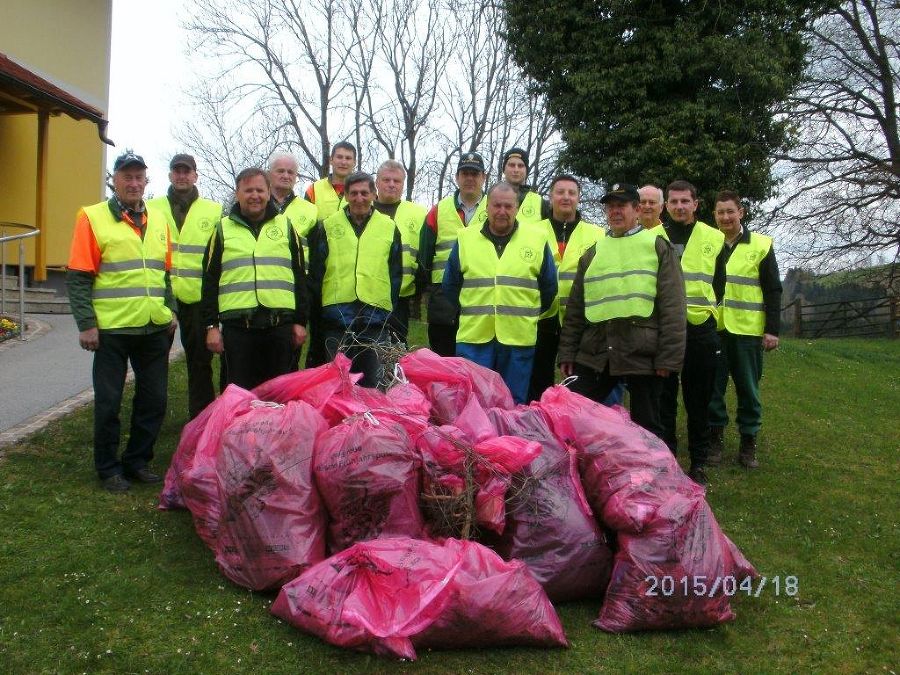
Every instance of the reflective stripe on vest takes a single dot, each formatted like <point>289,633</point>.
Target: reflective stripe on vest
<point>357,267</point>
<point>500,297</point>
<point>409,219</point>
<point>449,225</point>
<point>621,279</point>
<point>303,216</point>
<point>328,201</point>
<point>583,236</point>
<point>256,272</point>
<point>530,208</point>
<point>189,244</point>
<point>129,289</point>
<point>698,266</point>
<point>743,311</point>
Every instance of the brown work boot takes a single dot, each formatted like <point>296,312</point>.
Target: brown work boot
<point>716,446</point>
<point>747,452</point>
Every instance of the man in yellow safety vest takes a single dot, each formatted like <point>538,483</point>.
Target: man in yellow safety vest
<point>625,319</point>
<point>446,219</point>
<point>699,248</point>
<point>192,221</point>
<point>409,217</point>
<point>356,272</point>
<point>749,320</point>
<point>122,301</point>
<point>254,286</point>
<point>502,277</point>
<point>328,193</point>
<point>532,207</point>
<point>569,237</point>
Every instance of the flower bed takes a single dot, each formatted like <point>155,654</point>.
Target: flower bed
<point>8,328</point>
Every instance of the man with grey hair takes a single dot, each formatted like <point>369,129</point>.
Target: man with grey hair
<point>651,208</point>
<point>302,215</point>
<point>355,272</point>
<point>502,277</point>
<point>409,217</point>
<point>283,170</point>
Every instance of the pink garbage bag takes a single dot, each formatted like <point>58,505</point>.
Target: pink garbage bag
<point>549,525</point>
<point>369,475</point>
<point>315,386</point>
<point>679,572</point>
<point>272,525</point>
<point>627,472</point>
<point>448,382</point>
<point>198,479</point>
<point>390,596</point>
<point>215,416</point>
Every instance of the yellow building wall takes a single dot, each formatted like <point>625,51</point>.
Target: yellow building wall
<point>68,43</point>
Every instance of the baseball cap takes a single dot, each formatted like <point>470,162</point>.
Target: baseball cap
<point>183,159</point>
<point>128,158</point>
<point>624,192</point>
<point>471,160</point>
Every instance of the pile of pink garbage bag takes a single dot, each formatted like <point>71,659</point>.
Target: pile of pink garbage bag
<point>313,486</point>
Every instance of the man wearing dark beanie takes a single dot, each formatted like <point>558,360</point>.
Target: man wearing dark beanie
<point>532,207</point>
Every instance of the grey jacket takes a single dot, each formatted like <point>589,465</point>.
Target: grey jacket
<point>631,346</point>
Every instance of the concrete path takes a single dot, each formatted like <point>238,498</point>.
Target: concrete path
<point>45,376</point>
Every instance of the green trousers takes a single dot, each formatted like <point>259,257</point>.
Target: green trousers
<point>741,358</point>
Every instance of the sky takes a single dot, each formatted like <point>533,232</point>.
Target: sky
<point>147,83</point>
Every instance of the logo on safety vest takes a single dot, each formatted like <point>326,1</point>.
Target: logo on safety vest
<point>526,253</point>
<point>708,249</point>
<point>528,210</point>
<point>273,232</point>
<point>204,224</point>
<point>752,256</point>
<point>337,232</point>
<point>162,237</point>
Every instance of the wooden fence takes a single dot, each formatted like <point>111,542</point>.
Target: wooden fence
<point>846,318</point>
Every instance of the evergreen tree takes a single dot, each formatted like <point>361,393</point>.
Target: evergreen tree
<point>655,90</point>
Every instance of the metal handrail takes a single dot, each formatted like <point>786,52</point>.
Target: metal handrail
<point>32,232</point>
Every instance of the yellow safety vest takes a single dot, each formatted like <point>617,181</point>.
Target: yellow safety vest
<point>583,236</point>
<point>530,208</point>
<point>328,201</point>
<point>621,279</point>
<point>698,266</point>
<point>449,225</point>
<point>500,297</point>
<point>357,267</point>
<point>409,219</point>
<point>189,244</point>
<point>256,272</point>
<point>660,231</point>
<point>742,311</point>
<point>303,216</point>
<point>130,288</point>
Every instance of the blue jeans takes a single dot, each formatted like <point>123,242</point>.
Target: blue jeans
<point>513,363</point>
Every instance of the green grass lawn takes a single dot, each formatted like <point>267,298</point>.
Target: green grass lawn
<point>92,582</point>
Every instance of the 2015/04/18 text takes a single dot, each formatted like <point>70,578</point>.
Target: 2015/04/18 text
<point>702,586</point>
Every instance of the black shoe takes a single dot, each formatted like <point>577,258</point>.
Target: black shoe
<point>716,446</point>
<point>144,475</point>
<point>698,475</point>
<point>116,483</point>
<point>747,452</point>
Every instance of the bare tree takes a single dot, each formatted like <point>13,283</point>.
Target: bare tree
<point>419,80</point>
<point>840,199</point>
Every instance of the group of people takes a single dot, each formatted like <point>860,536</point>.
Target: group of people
<point>515,282</point>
